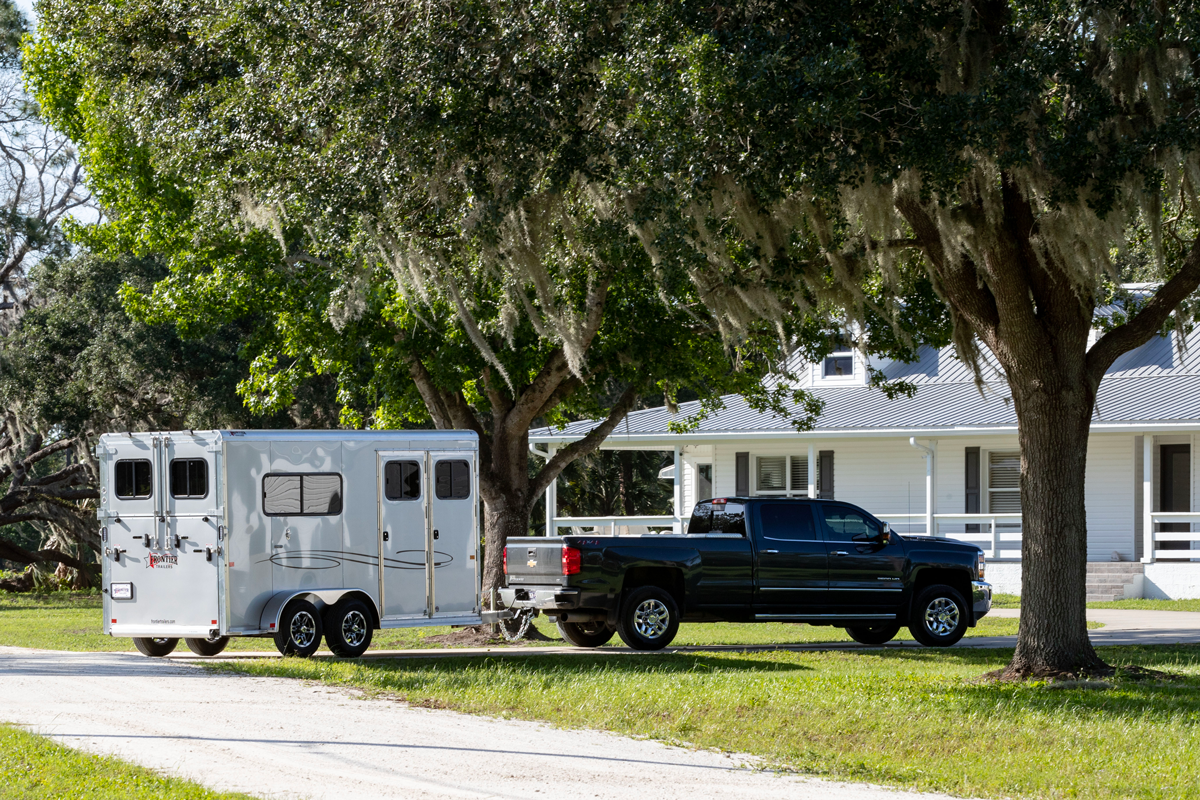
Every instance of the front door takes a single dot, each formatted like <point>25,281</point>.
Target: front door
<point>403,533</point>
<point>1174,489</point>
<point>865,574</point>
<point>454,542</point>
<point>792,575</point>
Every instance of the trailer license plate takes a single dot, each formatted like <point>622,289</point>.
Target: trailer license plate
<point>120,591</point>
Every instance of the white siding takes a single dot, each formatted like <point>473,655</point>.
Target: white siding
<point>1109,496</point>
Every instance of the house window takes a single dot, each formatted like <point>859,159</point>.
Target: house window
<point>703,481</point>
<point>781,475</point>
<point>189,477</point>
<point>1004,483</point>
<point>132,478</point>
<point>310,494</point>
<point>840,363</point>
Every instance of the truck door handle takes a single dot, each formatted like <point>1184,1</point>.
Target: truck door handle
<point>770,551</point>
<point>840,553</point>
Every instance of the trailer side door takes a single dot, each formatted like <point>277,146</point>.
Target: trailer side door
<point>454,539</point>
<point>403,497</point>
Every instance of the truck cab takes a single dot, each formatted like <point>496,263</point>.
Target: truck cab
<point>752,559</point>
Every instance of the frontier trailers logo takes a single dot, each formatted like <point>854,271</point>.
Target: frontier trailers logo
<point>162,561</point>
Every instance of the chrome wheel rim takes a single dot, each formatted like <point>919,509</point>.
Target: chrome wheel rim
<point>160,641</point>
<point>941,616</point>
<point>303,629</point>
<point>354,628</point>
<point>651,618</point>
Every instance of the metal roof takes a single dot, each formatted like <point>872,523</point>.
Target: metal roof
<point>1154,384</point>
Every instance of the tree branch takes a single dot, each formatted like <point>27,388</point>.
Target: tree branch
<point>587,444</point>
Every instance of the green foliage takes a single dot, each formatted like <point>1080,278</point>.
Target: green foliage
<point>916,718</point>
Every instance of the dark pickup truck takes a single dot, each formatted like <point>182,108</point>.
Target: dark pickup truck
<point>752,559</point>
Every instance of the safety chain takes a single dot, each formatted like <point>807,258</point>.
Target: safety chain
<point>523,616</point>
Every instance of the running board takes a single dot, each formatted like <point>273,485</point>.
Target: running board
<point>821,617</point>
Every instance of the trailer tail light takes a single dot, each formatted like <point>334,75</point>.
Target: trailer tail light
<point>571,560</point>
<point>505,560</point>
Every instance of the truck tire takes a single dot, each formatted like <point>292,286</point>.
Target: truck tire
<point>348,628</point>
<point>586,634</point>
<point>155,648</point>
<point>207,647</point>
<point>939,616</point>
<point>649,618</point>
<point>299,630</point>
<point>874,634</point>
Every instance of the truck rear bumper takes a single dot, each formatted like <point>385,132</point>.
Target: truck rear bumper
<point>981,598</point>
<point>543,599</point>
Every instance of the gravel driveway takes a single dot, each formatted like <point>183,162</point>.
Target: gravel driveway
<point>281,738</point>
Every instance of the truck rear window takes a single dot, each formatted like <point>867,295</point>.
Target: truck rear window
<point>713,517</point>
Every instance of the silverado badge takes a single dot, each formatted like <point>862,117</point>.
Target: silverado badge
<point>531,563</point>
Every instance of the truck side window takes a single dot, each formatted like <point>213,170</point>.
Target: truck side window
<point>402,480</point>
<point>452,480</point>
<point>132,478</point>
<point>310,494</point>
<point>189,477</point>
<point>786,522</point>
<point>844,524</point>
<point>701,521</point>
<point>729,518</point>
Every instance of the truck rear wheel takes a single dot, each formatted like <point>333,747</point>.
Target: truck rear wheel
<point>299,630</point>
<point>874,634</point>
<point>155,648</point>
<point>348,629</point>
<point>939,616</point>
<point>586,634</point>
<point>207,647</point>
<point>649,618</point>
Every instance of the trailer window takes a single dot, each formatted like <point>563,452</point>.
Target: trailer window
<point>402,480</point>
<point>310,494</point>
<point>132,478</point>
<point>189,477</point>
<point>453,480</point>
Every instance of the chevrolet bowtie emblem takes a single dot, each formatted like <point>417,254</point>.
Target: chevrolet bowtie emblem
<point>531,563</point>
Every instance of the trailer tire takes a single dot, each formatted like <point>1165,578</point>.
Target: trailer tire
<point>586,634</point>
<point>299,630</point>
<point>649,618</point>
<point>348,628</point>
<point>874,634</point>
<point>155,648</point>
<point>207,647</point>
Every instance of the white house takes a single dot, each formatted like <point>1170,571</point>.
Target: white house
<point>945,462</point>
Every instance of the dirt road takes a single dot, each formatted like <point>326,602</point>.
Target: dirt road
<point>280,738</point>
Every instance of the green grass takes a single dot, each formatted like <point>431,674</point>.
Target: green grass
<point>72,621</point>
<point>36,768</point>
<point>1014,601</point>
<point>1001,600</point>
<point>913,718</point>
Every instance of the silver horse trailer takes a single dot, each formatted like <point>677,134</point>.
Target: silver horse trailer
<point>293,535</point>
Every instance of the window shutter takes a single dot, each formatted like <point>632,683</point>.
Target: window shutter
<point>743,474</point>
<point>799,474</point>
<point>825,475</point>
<point>972,485</point>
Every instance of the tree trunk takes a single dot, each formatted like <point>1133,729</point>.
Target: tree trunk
<point>499,523</point>
<point>1053,428</point>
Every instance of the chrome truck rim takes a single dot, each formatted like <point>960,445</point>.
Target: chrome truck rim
<point>941,616</point>
<point>354,628</point>
<point>651,618</point>
<point>304,629</point>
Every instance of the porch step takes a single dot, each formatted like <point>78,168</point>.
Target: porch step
<point>1110,580</point>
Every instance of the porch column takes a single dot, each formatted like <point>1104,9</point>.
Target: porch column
<point>1147,498</point>
<point>677,524</point>
<point>812,470</point>
<point>929,451</point>
<point>551,497</point>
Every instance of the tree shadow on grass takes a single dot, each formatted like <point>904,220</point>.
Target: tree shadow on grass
<point>617,661</point>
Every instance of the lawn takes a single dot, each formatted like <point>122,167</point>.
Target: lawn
<point>913,718</point>
<point>72,621</point>
<point>1014,601</point>
<point>36,768</point>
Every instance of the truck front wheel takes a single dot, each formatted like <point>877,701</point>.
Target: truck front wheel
<point>939,616</point>
<point>586,634</point>
<point>157,648</point>
<point>874,634</point>
<point>649,618</point>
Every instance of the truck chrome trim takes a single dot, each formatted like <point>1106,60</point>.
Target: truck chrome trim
<point>793,588</point>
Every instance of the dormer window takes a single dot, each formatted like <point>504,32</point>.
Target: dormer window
<point>840,363</point>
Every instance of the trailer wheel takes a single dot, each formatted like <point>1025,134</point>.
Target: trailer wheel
<point>649,618</point>
<point>348,628</point>
<point>211,646</point>
<point>155,648</point>
<point>586,634</point>
<point>299,630</point>
<point>874,634</point>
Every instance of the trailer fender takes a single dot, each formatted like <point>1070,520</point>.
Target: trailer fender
<point>321,598</point>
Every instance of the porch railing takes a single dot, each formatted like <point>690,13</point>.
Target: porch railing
<point>998,535</point>
<point>1189,547</point>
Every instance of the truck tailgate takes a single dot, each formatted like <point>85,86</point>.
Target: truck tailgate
<point>535,561</point>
